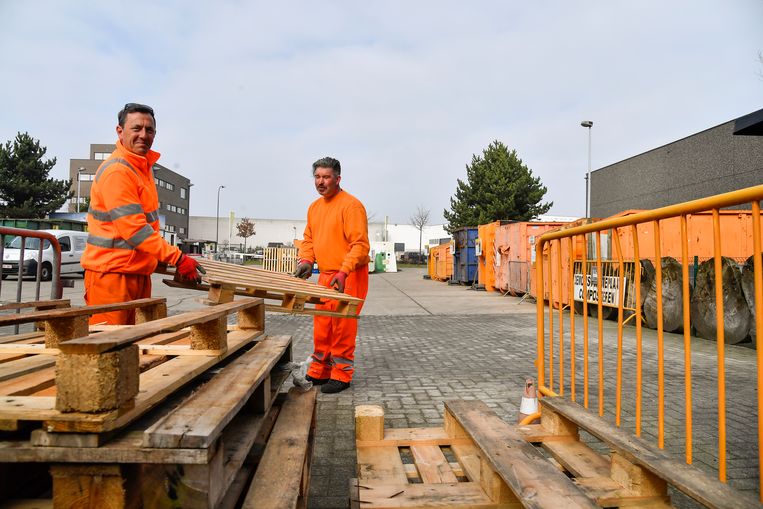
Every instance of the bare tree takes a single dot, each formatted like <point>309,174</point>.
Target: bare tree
<point>419,220</point>
<point>245,229</point>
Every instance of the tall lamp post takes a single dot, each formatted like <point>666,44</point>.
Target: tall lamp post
<point>589,125</point>
<point>79,179</point>
<point>217,220</point>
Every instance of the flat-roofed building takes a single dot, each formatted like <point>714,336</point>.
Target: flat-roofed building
<point>174,191</point>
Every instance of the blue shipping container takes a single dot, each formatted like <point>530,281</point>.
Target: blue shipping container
<point>465,255</point>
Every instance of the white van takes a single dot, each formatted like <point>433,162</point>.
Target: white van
<point>72,246</point>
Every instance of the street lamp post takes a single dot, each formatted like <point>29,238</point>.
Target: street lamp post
<point>589,125</point>
<point>79,179</point>
<point>217,220</point>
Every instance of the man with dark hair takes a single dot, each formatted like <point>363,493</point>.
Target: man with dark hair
<point>336,236</point>
<point>123,243</point>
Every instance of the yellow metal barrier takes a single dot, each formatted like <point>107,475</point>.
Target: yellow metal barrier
<point>550,269</point>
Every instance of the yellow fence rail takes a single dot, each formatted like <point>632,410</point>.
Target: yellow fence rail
<point>555,283</point>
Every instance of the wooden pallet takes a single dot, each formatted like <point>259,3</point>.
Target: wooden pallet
<point>197,450</point>
<point>293,295</point>
<point>478,461</point>
<point>103,381</point>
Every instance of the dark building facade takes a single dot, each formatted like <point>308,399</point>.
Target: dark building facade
<point>174,191</point>
<point>710,162</point>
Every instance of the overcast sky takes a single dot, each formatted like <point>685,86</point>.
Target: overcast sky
<point>248,94</point>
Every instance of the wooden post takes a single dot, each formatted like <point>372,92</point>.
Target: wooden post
<point>211,335</point>
<point>369,422</point>
<point>557,424</point>
<point>452,428</point>
<point>493,486</point>
<point>64,329</point>
<point>259,402</point>
<point>85,486</point>
<point>252,318</point>
<point>150,313</point>
<point>97,382</point>
<point>220,294</point>
<point>636,479</point>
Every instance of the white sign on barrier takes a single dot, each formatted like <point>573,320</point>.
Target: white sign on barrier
<point>610,289</point>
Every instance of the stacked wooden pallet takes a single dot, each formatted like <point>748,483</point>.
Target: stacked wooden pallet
<point>478,461</point>
<point>286,293</point>
<point>173,412</point>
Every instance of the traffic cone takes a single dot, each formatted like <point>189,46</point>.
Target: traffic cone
<point>529,403</point>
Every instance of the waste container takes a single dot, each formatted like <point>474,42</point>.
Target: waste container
<point>465,255</point>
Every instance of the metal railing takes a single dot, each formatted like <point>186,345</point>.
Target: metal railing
<point>552,247</point>
<point>56,288</point>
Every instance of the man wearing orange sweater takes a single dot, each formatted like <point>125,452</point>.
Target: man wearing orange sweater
<point>336,236</point>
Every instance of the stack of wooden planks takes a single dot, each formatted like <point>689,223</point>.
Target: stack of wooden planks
<point>478,461</point>
<point>284,292</point>
<point>174,412</point>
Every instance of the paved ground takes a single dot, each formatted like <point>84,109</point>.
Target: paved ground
<point>421,342</point>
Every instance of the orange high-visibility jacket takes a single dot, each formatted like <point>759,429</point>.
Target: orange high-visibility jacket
<point>336,235</point>
<point>123,219</point>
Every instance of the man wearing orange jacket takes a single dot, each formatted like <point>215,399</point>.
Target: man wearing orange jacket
<point>336,236</point>
<point>123,243</point>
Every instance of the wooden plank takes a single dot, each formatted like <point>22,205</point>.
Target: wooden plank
<point>578,459</point>
<point>25,365</point>
<point>109,340</point>
<point>463,495</point>
<point>432,464</point>
<point>107,486</point>
<point>54,314</point>
<point>200,419</point>
<point>381,464</point>
<point>15,338</point>
<point>38,503</point>
<point>686,478</point>
<point>531,478</point>
<point>469,458</point>
<point>277,482</point>
<point>17,349</point>
<point>29,383</point>
<point>40,304</point>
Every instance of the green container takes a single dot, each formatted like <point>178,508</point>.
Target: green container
<point>379,262</point>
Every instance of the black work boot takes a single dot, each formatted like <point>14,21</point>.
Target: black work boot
<point>316,381</point>
<point>334,386</point>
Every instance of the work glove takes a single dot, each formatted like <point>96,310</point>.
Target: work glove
<point>304,269</point>
<point>189,269</point>
<point>338,281</point>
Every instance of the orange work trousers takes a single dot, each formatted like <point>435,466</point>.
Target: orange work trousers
<point>110,288</point>
<point>334,338</point>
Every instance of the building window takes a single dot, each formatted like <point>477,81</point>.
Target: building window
<point>100,156</point>
<point>169,207</point>
<point>156,181</point>
<point>170,187</point>
<point>182,230</point>
<point>86,177</point>
<point>183,192</point>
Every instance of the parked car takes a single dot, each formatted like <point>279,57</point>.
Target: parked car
<point>72,246</point>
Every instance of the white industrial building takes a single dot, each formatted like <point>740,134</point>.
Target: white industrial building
<point>285,231</point>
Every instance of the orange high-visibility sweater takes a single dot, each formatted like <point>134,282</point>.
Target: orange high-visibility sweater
<point>123,219</point>
<point>336,235</point>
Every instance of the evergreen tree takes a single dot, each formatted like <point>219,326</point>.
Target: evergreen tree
<point>498,186</point>
<point>25,189</point>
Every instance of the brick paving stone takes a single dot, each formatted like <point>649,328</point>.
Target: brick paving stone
<point>410,364</point>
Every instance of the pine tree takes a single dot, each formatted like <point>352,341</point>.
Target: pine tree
<point>25,189</point>
<point>498,186</point>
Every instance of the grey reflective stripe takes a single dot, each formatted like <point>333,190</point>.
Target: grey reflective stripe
<point>116,212</point>
<point>320,358</point>
<point>125,210</point>
<point>152,216</point>
<point>100,215</point>
<point>108,243</point>
<point>339,360</point>
<point>109,162</point>
<point>142,235</point>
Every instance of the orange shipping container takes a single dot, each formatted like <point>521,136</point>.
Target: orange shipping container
<point>515,245</point>
<point>487,260</point>
<point>440,262</point>
<point>553,278</point>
